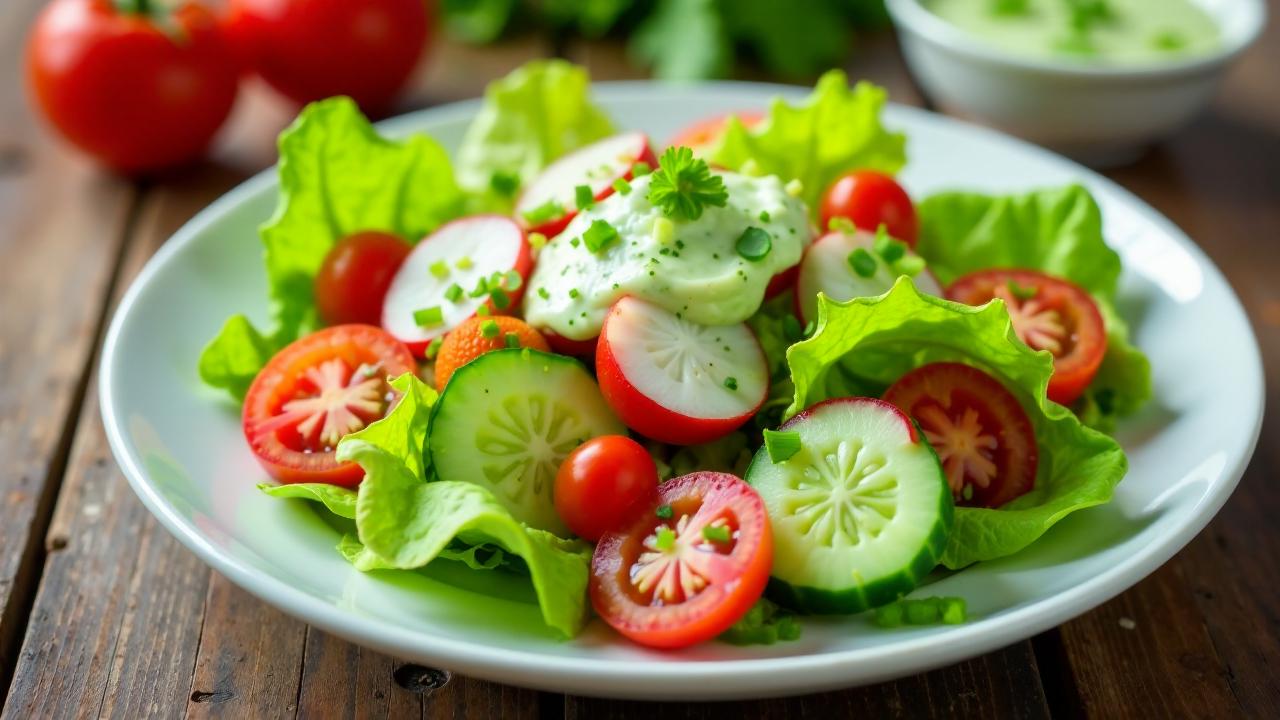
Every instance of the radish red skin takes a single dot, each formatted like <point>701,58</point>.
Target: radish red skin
<point>645,416</point>
<point>554,227</point>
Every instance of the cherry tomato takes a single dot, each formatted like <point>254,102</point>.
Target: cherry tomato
<point>688,570</point>
<point>139,90</point>
<point>604,485</point>
<point>981,433</point>
<point>1048,313</point>
<point>870,199</point>
<point>703,134</point>
<point>354,277</point>
<point>314,49</point>
<point>316,391</point>
<point>469,341</point>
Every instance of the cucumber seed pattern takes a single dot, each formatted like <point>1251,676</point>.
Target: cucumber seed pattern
<point>524,442</point>
<point>843,496</point>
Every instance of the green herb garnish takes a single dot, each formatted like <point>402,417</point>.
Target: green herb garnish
<point>454,293</point>
<point>490,329</point>
<point>716,533</point>
<point>500,299</point>
<point>428,317</point>
<point>1021,292</point>
<point>862,263</point>
<point>464,263</point>
<point>542,293</point>
<point>512,280</point>
<point>889,250</point>
<point>504,183</point>
<point>666,539</point>
<point>511,340</point>
<point>549,210</point>
<point>640,169</point>
<point>683,185</point>
<point>664,512</point>
<point>731,383</point>
<point>781,445</point>
<point>599,235</point>
<point>622,186</point>
<point>583,198</point>
<point>440,269</point>
<point>433,347</point>
<point>754,244</point>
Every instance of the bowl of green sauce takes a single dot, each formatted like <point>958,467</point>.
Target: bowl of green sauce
<point>1099,80</point>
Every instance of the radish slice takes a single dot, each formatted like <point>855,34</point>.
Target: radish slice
<point>826,268</point>
<point>676,381</point>
<point>598,166</point>
<point>462,253</point>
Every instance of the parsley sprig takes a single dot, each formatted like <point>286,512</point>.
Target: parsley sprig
<point>683,185</point>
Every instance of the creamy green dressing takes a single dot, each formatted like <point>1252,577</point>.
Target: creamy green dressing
<point>688,267</point>
<point>1114,32</point>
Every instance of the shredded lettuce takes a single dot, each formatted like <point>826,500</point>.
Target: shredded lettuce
<point>337,177</point>
<point>835,130</point>
<point>537,113</point>
<point>764,624</point>
<point>1058,231</point>
<point>405,519</point>
<point>862,346</point>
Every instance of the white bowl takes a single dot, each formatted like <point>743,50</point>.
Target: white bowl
<point>1101,115</point>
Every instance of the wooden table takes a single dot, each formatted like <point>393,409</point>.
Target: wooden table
<point>103,613</point>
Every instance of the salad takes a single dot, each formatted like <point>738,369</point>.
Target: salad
<point>698,388</point>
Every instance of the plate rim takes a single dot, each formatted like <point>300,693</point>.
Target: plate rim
<point>674,678</point>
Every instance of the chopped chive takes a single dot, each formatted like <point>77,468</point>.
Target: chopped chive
<point>890,250</point>
<point>549,210</point>
<point>622,186</point>
<point>542,293</point>
<point>599,235</point>
<point>573,293</point>
<point>440,269</point>
<point>500,299</point>
<point>464,263</point>
<point>731,383</point>
<point>764,216</point>
<point>890,616</point>
<point>575,242</point>
<point>666,539</point>
<point>664,512</point>
<point>794,187</point>
<point>781,445</point>
<point>583,198</point>
<point>481,288</point>
<point>504,183</point>
<point>841,225</point>
<point>1170,40</point>
<point>909,265</point>
<point>754,244</point>
<point>791,329</point>
<point>489,329</point>
<point>512,280</point>
<point>428,317</point>
<point>537,241</point>
<point>862,263</point>
<point>433,347</point>
<point>641,169</point>
<point>454,293</point>
<point>1022,292</point>
<point>664,231</point>
<point>483,311</point>
<point>511,340</point>
<point>716,533</point>
<point>920,612</point>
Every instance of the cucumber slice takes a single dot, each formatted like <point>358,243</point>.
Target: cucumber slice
<point>860,514</point>
<point>507,419</point>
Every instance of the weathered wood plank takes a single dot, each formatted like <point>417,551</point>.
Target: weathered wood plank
<point>1003,684</point>
<point>117,615</point>
<point>61,227</point>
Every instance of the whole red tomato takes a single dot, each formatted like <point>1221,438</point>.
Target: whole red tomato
<point>314,49</point>
<point>139,88</point>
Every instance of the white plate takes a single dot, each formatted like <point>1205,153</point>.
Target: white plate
<point>180,445</point>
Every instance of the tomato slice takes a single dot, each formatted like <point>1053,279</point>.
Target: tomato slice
<point>686,572</point>
<point>317,390</point>
<point>981,433</point>
<point>1048,313</point>
<point>700,136</point>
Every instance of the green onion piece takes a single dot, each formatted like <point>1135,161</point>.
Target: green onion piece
<point>753,244</point>
<point>481,289</point>
<point>716,533</point>
<point>511,340</point>
<point>504,183</point>
<point>440,269</point>
<point>433,347</point>
<point>841,225</point>
<point>483,311</point>
<point>764,216</point>
<point>622,186</point>
<point>537,241</point>
<point>1007,7</point>
<point>920,612</point>
<point>490,329</point>
<point>500,299</point>
<point>909,265</point>
<point>641,169</point>
<point>583,198</point>
<point>573,293</point>
<point>890,616</point>
<point>1022,292</point>
<point>575,242</point>
<point>454,293</point>
<point>599,235</point>
<point>890,250</point>
<point>781,445</point>
<point>428,317</point>
<point>863,263</point>
<point>542,293</point>
<point>549,210</point>
<point>666,539</point>
<point>512,280</point>
<point>1169,40</point>
<point>953,611</point>
<point>464,263</point>
<point>731,383</point>
<point>664,512</point>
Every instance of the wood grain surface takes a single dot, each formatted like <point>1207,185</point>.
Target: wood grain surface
<point>103,614</point>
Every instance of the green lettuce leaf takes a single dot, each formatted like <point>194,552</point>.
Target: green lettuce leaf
<point>862,346</point>
<point>1058,231</point>
<point>537,113</point>
<point>337,177</point>
<point>835,130</point>
<point>339,500</point>
<point>405,519</point>
<point>764,624</point>
<point>776,327</point>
